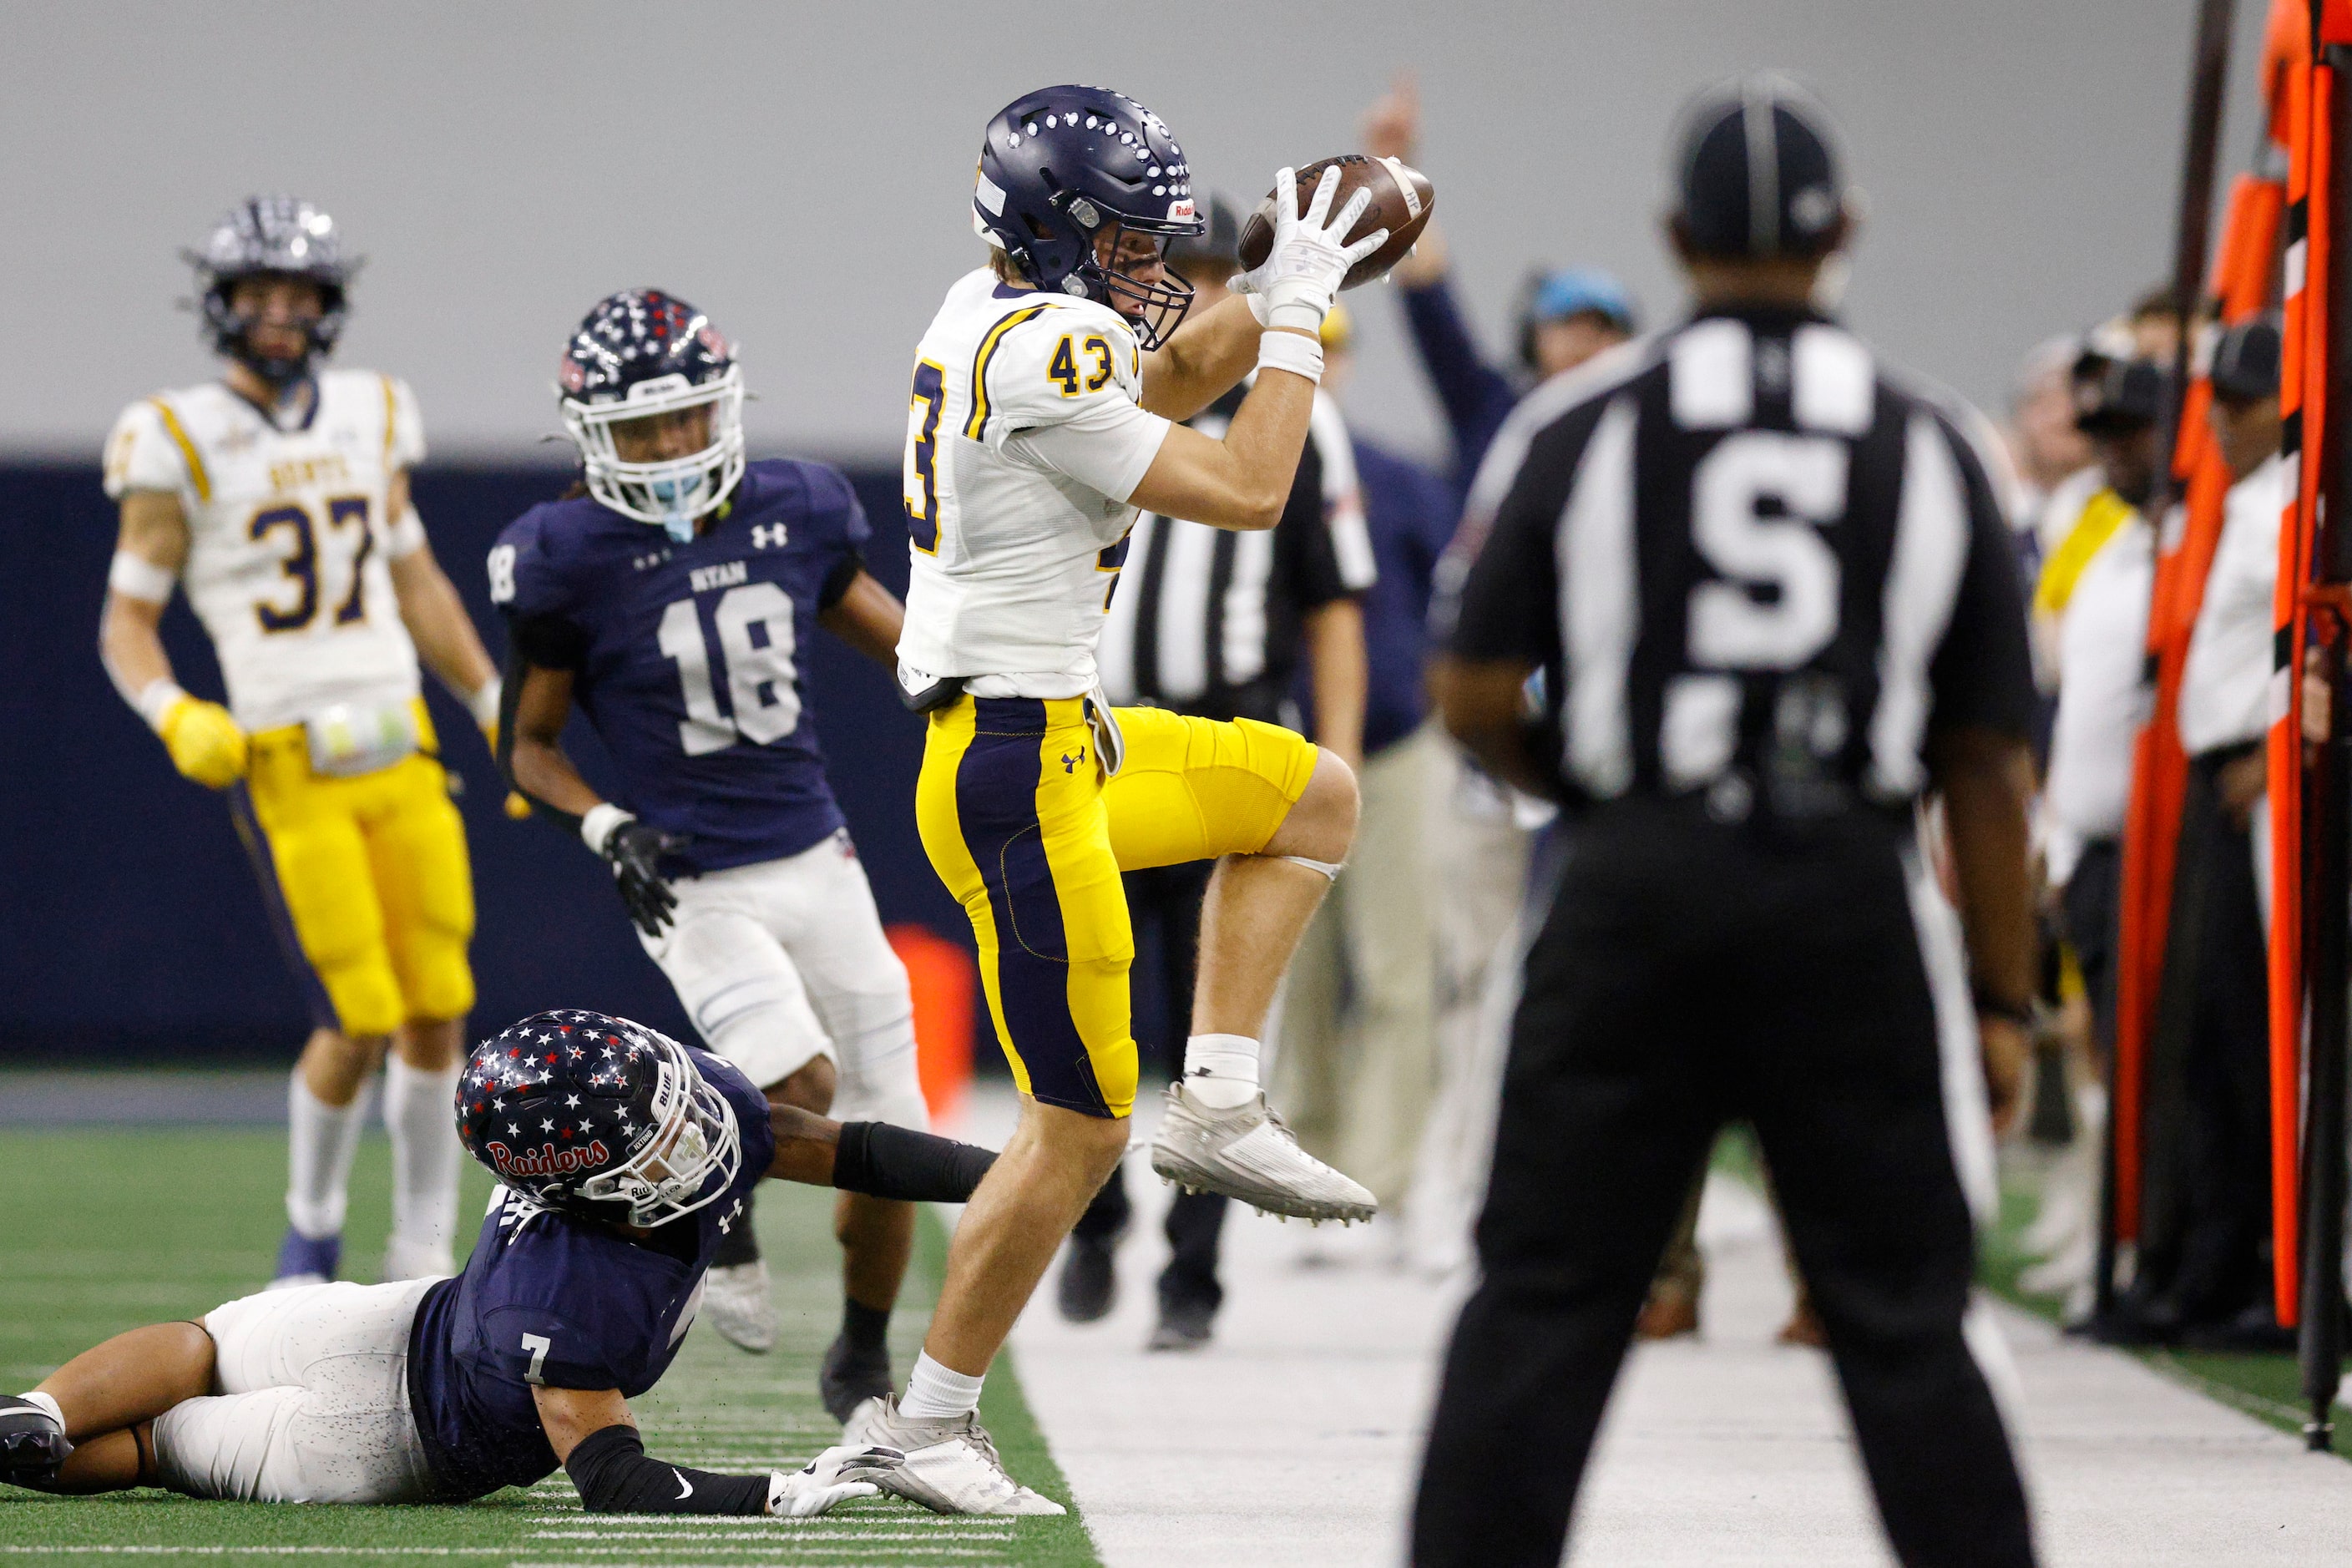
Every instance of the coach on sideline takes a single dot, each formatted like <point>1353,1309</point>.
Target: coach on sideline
<point>1772,599</point>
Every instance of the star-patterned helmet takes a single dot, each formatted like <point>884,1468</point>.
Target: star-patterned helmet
<point>1064,167</point>
<point>640,354</point>
<point>597,1118</point>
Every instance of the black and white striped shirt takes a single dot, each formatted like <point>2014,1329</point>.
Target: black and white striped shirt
<point>1206,620</point>
<point>1752,568</point>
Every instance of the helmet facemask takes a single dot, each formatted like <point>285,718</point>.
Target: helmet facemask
<point>692,1157</point>
<point>670,492</point>
<point>1158,307</point>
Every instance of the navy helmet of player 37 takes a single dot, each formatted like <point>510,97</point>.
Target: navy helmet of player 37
<point>639,353</point>
<point>1061,168</point>
<point>597,1118</point>
<point>282,235</point>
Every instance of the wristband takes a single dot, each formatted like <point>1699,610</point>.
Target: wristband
<point>1988,1005</point>
<point>155,699</point>
<point>484,702</point>
<point>136,577</point>
<point>1288,351</point>
<point>596,827</point>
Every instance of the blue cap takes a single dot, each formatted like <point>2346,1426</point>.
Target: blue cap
<point>1576,292</point>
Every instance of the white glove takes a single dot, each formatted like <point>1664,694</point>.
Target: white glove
<point>833,1477</point>
<point>1310,258</point>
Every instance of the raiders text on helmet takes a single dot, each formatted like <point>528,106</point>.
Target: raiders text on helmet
<point>1066,172</point>
<point>597,1118</point>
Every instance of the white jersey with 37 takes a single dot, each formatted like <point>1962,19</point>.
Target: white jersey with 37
<point>288,542</point>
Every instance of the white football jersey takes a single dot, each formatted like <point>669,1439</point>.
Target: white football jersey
<point>289,544</point>
<point>1023,440</point>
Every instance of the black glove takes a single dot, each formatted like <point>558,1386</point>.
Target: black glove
<point>633,850</point>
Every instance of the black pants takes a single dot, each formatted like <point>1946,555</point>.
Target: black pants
<point>2205,1253</point>
<point>1690,974</point>
<point>2093,901</point>
<point>1164,904</point>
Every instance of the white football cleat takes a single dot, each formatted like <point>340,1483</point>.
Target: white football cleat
<point>1247,1154</point>
<point>737,1299</point>
<point>950,1466</point>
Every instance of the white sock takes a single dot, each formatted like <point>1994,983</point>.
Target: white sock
<point>1221,1071</point>
<point>320,1139</point>
<point>939,1393</point>
<point>420,1112</point>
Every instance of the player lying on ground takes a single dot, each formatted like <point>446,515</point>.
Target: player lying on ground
<point>672,599</point>
<point>624,1158</point>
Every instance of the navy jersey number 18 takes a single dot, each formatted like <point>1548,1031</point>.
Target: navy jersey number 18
<point>754,623</point>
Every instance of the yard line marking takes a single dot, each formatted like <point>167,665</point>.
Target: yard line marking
<point>264,1550</point>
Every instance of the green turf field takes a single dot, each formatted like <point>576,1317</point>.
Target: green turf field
<point>137,1226</point>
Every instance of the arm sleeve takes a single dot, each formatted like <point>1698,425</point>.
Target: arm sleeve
<point>613,1474</point>
<point>1983,674</point>
<point>403,438</point>
<point>1475,395</point>
<point>141,455</point>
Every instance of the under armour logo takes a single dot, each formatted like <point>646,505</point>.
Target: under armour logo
<point>1070,764</point>
<point>768,536</point>
<point>727,1221</point>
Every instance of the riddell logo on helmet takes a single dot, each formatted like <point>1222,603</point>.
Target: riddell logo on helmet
<point>1181,212</point>
<point>547,1160</point>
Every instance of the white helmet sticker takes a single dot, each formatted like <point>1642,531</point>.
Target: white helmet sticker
<point>988,195</point>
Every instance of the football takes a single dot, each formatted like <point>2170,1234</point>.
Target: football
<point>1402,198</point>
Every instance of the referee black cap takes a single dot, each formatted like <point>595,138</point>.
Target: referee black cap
<point>2246,360</point>
<point>1756,172</point>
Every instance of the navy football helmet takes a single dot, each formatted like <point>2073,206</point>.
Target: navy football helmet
<point>597,1118</point>
<point>639,353</point>
<point>278,235</point>
<point>1062,168</point>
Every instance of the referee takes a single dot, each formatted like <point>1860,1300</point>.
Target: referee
<point>1773,600</point>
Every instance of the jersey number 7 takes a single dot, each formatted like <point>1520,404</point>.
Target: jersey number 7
<point>754,623</point>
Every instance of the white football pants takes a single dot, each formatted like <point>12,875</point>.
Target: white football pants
<point>781,962</point>
<point>313,1405</point>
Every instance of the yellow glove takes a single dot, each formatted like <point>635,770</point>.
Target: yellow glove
<point>205,744</point>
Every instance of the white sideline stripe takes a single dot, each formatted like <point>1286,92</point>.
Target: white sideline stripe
<point>923,1529</point>
<point>771,1524</point>
<point>262,1551</point>
<point>674,1562</point>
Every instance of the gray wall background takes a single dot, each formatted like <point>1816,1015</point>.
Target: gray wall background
<point>801,172</point>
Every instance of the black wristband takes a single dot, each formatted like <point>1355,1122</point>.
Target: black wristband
<point>610,1467</point>
<point>1988,1005</point>
<point>886,1162</point>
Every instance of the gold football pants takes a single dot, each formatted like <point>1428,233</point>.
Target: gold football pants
<point>367,881</point>
<point>1031,839</point>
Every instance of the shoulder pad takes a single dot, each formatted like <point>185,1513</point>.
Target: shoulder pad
<point>1047,363</point>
